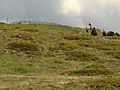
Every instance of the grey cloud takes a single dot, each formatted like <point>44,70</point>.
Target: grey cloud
<point>103,14</point>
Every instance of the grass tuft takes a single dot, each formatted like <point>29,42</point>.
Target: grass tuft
<point>109,83</point>
<point>26,35</point>
<point>89,72</point>
<point>81,55</point>
<point>22,46</point>
<point>77,37</point>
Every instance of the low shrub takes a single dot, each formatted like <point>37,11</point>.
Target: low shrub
<point>81,55</point>
<point>109,83</point>
<point>112,37</point>
<point>104,47</point>
<point>21,70</point>
<point>115,54</point>
<point>22,46</point>
<point>87,43</point>
<point>111,43</point>
<point>89,72</point>
<point>29,30</point>
<point>68,46</point>
<point>59,61</point>
<point>95,66</point>
<point>76,37</point>
<point>26,35</point>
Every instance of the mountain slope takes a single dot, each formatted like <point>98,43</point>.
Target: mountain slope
<point>57,57</point>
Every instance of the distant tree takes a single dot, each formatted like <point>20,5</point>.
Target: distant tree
<point>104,33</point>
<point>117,34</point>
<point>110,33</point>
<point>87,31</point>
<point>94,33</point>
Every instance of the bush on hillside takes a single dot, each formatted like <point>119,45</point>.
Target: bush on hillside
<point>94,32</point>
<point>117,34</point>
<point>95,66</point>
<point>89,72</point>
<point>87,43</point>
<point>77,37</point>
<point>29,30</point>
<point>104,33</point>
<point>68,46</point>
<point>26,35</point>
<point>110,33</point>
<point>109,83</point>
<point>115,54</point>
<point>81,55</point>
<point>22,46</point>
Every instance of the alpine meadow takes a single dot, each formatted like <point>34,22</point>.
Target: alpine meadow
<point>58,57</point>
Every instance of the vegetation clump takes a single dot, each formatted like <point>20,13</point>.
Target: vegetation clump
<point>90,72</point>
<point>115,54</point>
<point>26,35</point>
<point>29,30</point>
<point>105,83</point>
<point>110,33</point>
<point>104,33</point>
<point>76,37</point>
<point>87,43</point>
<point>94,32</point>
<point>22,46</point>
<point>97,65</point>
<point>81,55</point>
<point>68,46</point>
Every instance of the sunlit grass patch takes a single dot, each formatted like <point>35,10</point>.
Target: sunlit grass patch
<point>23,46</point>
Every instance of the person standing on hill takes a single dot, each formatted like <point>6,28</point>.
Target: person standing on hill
<point>90,24</point>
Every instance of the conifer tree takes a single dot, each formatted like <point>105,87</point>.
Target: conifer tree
<point>104,33</point>
<point>94,33</point>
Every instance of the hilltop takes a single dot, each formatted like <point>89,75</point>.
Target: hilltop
<point>48,57</point>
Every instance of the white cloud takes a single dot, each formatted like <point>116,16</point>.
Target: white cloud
<point>70,7</point>
<point>103,13</point>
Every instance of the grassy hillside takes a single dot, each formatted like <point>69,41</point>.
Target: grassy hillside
<point>52,57</point>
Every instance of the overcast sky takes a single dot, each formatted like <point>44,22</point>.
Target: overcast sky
<point>104,14</point>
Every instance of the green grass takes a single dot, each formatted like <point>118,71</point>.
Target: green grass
<point>50,57</point>
<point>90,72</point>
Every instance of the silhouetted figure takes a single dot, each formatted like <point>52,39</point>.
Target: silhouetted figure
<point>90,24</point>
